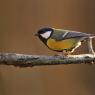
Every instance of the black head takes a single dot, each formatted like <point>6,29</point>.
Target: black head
<point>44,33</point>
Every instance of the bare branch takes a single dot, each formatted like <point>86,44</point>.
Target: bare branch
<point>23,60</point>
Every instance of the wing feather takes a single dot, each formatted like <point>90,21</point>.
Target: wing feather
<point>66,34</point>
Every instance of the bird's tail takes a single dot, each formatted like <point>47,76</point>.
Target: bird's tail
<point>91,35</point>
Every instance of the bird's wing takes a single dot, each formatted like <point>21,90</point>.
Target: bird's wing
<point>66,34</point>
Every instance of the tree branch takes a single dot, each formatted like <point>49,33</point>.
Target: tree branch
<point>23,60</point>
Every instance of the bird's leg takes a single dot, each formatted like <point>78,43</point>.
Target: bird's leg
<point>89,45</point>
<point>65,53</point>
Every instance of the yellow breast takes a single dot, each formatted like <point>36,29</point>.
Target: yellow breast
<point>61,45</point>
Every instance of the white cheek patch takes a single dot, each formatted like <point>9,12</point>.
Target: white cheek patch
<point>46,35</point>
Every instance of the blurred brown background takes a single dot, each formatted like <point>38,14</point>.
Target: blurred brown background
<point>19,20</point>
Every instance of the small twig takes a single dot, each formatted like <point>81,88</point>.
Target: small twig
<point>89,45</point>
<point>23,60</point>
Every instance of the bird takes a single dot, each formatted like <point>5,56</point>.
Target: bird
<point>61,40</point>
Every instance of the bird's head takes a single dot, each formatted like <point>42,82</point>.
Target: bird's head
<point>44,33</point>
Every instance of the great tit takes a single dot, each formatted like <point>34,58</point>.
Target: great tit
<point>61,40</point>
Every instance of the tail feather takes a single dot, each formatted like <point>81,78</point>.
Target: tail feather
<point>91,35</point>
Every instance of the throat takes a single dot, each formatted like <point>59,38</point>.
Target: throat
<point>43,40</point>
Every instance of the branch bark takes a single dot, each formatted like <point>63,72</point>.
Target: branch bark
<point>23,60</point>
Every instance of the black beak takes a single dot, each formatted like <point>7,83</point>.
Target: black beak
<point>36,34</point>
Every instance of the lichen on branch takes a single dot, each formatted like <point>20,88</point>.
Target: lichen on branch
<point>23,60</point>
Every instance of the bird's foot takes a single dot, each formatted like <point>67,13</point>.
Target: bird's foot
<point>60,55</point>
<point>66,53</point>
